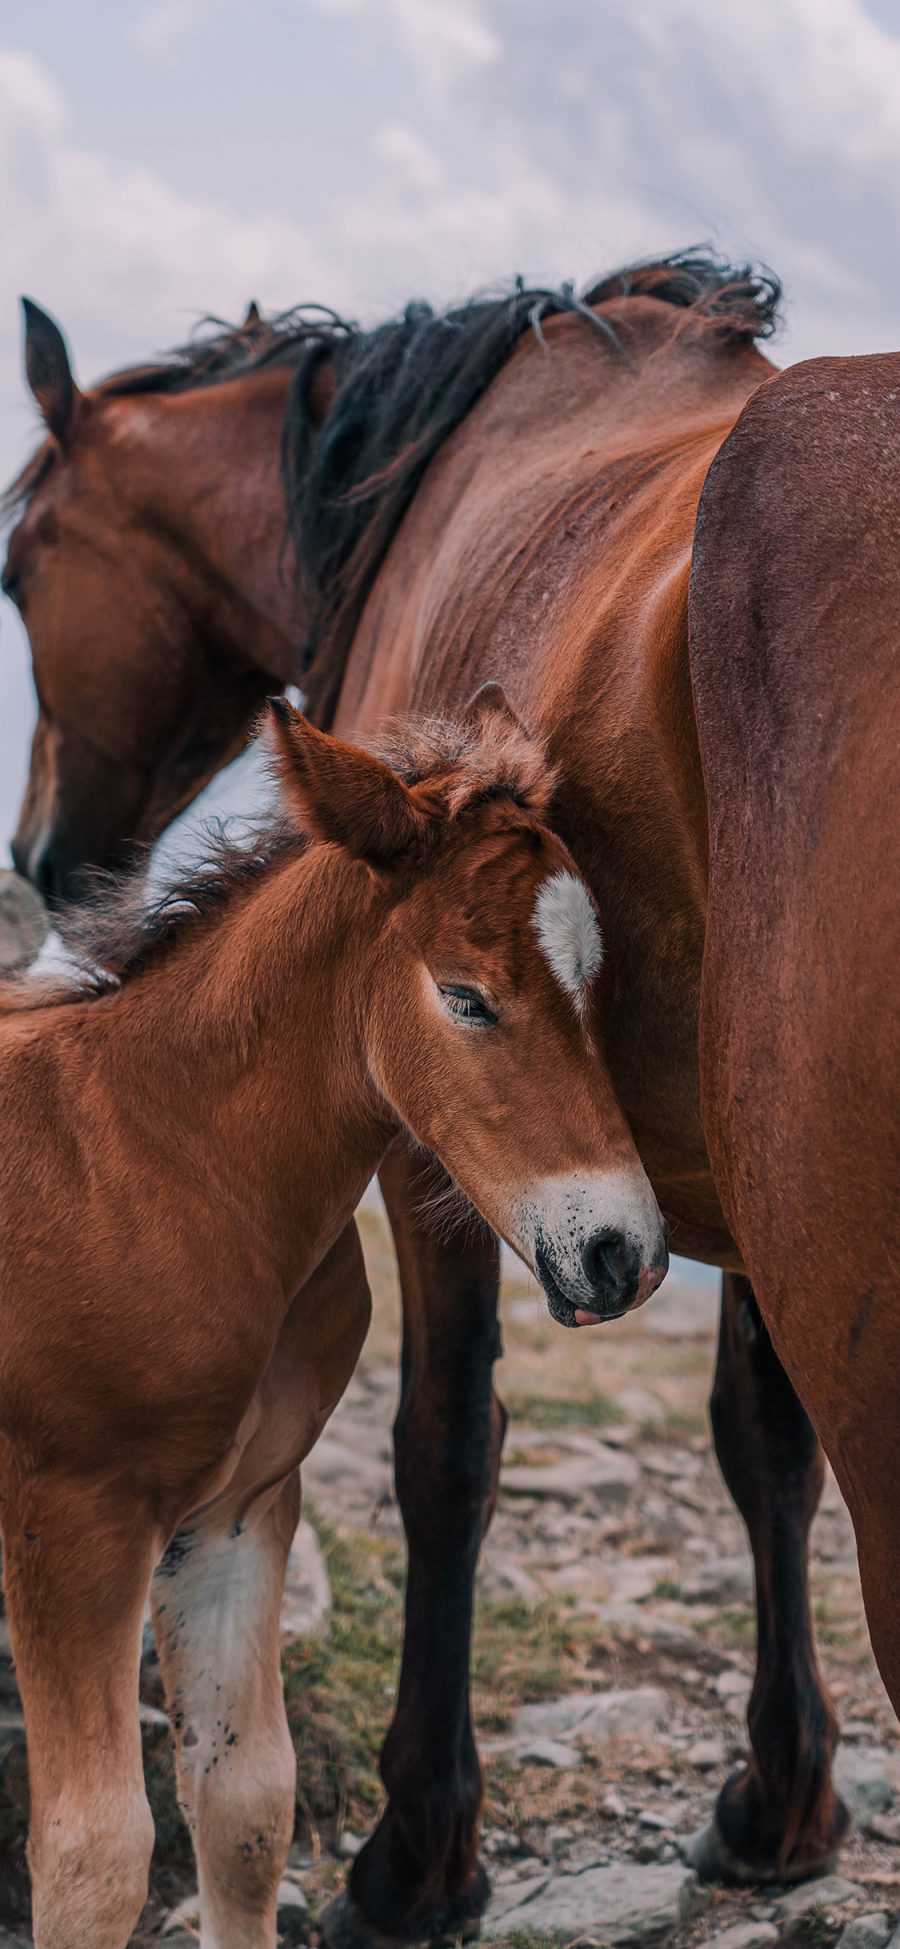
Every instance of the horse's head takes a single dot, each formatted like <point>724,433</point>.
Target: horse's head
<point>142,690</point>
<point>483,1020</point>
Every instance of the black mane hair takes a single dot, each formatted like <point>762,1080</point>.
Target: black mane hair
<point>404,388</point>
<point>400,391</point>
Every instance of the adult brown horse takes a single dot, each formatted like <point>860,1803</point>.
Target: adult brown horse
<point>551,537</point>
<point>182,1295</point>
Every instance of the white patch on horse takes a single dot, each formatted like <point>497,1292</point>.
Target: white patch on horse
<point>569,933</point>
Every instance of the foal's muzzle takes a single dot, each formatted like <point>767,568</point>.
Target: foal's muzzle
<point>613,1276</point>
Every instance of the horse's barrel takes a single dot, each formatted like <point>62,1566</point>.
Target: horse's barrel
<point>23,921</point>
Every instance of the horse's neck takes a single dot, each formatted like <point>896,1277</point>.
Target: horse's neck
<point>247,1043</point>
<point>216,479</point>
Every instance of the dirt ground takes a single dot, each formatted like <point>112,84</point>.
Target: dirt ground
<point>615,1575</point>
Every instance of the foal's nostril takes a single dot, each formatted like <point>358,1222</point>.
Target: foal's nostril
<point>608,1261</point>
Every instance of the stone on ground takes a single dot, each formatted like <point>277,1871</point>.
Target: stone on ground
<point>867,1777</point>
<point>23,921</point>
<point>829,1892</point>
<point>618,1907</point>
<point>603,1475</point>
<point>594,1719</point>
<point>866,1932</point>
<point>307,1591</point>
<point>744,1935</point>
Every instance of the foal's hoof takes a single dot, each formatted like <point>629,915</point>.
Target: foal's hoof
<point>344,1926</point>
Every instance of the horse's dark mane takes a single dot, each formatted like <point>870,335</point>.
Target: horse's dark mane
<point>403,388</point>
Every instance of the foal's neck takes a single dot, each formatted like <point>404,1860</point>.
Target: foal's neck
<point>261,1069</point>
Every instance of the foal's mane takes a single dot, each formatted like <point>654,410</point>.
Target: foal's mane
<point>400,391</point>
<point>123,929</point>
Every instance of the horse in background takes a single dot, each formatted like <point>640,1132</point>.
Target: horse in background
<point>187,1129</point>
<point>512,487</point>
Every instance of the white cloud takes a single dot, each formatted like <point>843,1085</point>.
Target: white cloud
<point>160,30</point>
<point>124,260</point>
<point>418,164</point>
<point>597,134</point>
<point>446,38</point>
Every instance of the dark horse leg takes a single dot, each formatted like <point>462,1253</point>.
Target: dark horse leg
<point>419,1876</point>
<point>778,1817</point>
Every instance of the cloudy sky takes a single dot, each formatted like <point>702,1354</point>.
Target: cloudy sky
<point>165,158</point>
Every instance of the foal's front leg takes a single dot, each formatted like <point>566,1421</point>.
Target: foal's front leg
<point>78,1558</point>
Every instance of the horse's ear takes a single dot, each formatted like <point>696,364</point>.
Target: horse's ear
<point>343,794</point>
<point>491,701</point>
<point>253,317</point>
<point>49,372</point>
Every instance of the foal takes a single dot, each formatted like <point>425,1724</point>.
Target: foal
<point>182,1290</point>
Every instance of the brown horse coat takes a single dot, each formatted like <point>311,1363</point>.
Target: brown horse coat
<point>182,1298</point>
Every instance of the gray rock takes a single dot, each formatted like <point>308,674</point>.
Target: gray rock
<point>619,1906</point>
<point>829,1892</point>
<point>512,1891</point>
<point>706,1753</point>
<point>307,1591</point>
<point>866,1931</point>
<point>726,1580</point>
<point>868,1778</point>
<point>293,1913</point>
<point>744,1935</point>
<point>23,921</point>
<point>548,1752</point>
<point>604,1475</point>
<point>594,1719</point>
<point>885,1827</point>
<point>613,1806</point>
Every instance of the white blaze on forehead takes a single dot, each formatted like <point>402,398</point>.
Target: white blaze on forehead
<point>569,932</point>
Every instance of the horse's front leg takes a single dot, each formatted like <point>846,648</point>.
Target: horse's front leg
<point>419,1875</point>
<point>78,1558</point>
<point>778,1817</point>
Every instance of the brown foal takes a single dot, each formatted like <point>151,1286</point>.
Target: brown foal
<point>183,1297</point>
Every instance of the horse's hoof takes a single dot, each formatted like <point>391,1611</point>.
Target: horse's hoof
<point>343,1926</point>
<point>713,1860</point>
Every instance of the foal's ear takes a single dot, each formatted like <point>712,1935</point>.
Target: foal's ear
<point>343,794</point>
<point>491,701</point>
<point>49,372</point>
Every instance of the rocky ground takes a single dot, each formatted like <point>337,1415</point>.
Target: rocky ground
<point>614,1647</point>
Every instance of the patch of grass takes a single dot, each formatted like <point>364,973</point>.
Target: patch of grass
<point>666,1587</point>
<point>522,1653</point>
<point>737,1628</point>
<point>340,1688</point>
<point>546,1411</point>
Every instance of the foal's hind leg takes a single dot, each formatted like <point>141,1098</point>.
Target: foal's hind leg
<point>78,1561</point>
<point>217,1610</point>
<point>779,1816</point>
<point>419,1875</point>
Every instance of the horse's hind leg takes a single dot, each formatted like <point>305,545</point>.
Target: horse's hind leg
<point>418,1876</point>
<point>78,1562</point>
<point>779,1816</point>
<point>217,1611</point>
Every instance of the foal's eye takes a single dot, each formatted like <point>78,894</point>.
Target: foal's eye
<point>466,1005</point>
